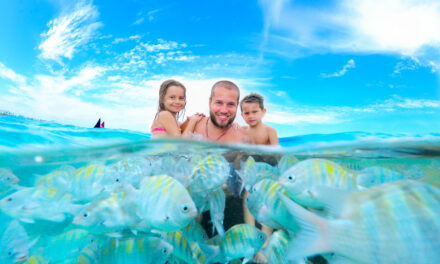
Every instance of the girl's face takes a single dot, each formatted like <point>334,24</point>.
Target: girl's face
<point>174,99</point>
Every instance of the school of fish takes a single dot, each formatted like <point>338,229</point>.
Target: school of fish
<point>144,210</point>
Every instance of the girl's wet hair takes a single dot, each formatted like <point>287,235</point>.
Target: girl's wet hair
<point>163,90</point>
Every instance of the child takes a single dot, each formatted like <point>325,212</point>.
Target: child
<point>252,111</point>
<point>172,101</point>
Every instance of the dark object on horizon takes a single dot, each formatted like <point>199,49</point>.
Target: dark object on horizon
<point>99,124</point>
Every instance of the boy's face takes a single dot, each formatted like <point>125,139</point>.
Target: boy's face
<point>252,113</point>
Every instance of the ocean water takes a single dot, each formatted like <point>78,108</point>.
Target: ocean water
<point>32,149</point>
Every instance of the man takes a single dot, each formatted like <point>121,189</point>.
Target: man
<point>220,126</point>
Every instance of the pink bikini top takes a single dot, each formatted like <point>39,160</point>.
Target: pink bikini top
<point>158,129</point>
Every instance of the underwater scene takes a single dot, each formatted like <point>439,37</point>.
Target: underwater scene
<point>80,195</point>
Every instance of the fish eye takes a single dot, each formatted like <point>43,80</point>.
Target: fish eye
<point>185,209</point>
<point>261,237</point>
<point>85,215</point>
<point>10,252</point>
<point>291,178</point>
<point>9,199</point>
<point>117,179</point>
<point>254,189</point>
<point>164,250</point>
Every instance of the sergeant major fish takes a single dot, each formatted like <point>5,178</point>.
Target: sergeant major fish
<point>164,203</point>
<point>301,180</point>
<point>391,223</point>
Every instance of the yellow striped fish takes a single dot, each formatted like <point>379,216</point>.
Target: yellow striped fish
<point>301,180</point>
<point>392,223</point>
<point>240,241</point>
<point>164,203</point>
<point>145,250</point>
<point>210,173</point>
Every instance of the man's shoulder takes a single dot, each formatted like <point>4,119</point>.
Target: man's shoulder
<point>200,125</point>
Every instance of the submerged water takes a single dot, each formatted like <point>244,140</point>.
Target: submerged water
<point>31,150</point>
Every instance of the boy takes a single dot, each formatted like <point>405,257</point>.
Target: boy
<point>252,111</point>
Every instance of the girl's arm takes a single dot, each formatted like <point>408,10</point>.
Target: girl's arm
<point>169,122</point>
<point>190,124</point>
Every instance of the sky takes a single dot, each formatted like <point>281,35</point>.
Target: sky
<point>322,66</point>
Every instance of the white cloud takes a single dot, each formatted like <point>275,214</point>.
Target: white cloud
<point>134,37</point>
<point>9,74</point>
<point>403,27</point>
<point>349,65</point>
<point>139,21</point>
<point>69,31</point>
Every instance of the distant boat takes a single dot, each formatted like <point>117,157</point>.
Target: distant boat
<point>99,124</point>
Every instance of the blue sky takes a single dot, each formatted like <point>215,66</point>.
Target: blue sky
<point>322,66</point>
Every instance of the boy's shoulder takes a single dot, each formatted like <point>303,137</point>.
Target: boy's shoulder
<point>268,128</point>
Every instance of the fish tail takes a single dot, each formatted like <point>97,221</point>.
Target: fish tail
<point>312,238</point>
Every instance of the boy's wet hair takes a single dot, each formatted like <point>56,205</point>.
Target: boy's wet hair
<point>253,98</point>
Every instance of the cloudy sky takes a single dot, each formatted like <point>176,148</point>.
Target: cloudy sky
<point>322,66</point>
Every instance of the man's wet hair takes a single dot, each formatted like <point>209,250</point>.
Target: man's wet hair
<point>225,84</point>
<point>253,98</point>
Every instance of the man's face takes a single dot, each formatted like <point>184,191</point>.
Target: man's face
<point>223,107</point>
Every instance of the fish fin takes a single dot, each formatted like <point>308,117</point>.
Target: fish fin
<point>33,242</point>
<point>57,218</point>
<point>312,238</point>
<point>333,199</point>
<point>75,209</point>
<point>27,220</point>
<point>134,231</point>
<point>210,251</point>
<point>415,173</point>
<point>114,234</point>
<point>247,260</point>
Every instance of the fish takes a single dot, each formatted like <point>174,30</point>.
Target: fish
<point>217,202</point>
<point>182,247</point>
<point>275,250</point>
<point>89,254</point>
<point>195,232</point>
<point>8,182</point>
<point>58,178</point>
<point>65,246</point>
<point>391,223</point>
<point>252,172</point>
<point>376,175</point>
<point>164,203</point>
<point>301,180</point>
<point>133,170</point>
<point>32,203</point>
<point>286,162</point>
<point>36,259</point>
<point>112,215</point>
<point>15,244</point>
<point>89,182</point>
<point>209,174</point>
<point>267,207</point>
<point>144,250</point>
<point>240,241</point>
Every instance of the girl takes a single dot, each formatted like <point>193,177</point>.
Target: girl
<point>172,101</point>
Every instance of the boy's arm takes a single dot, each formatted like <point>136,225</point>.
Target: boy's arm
<point>273,136</point>
<point>248,217</point>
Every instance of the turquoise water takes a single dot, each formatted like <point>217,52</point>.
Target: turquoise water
<point>31,149</point>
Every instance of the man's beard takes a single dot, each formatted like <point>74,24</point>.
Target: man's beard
<point>214,121</point>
